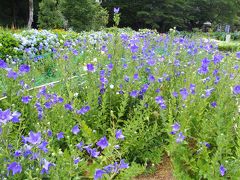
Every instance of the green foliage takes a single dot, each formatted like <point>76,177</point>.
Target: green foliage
<point>8,43</point>
<point>165,14</point>
<point>133,171</point>
<point>49,15</point>
<point>146,118</point>
<point>231,46</point>
<point>84,15</point>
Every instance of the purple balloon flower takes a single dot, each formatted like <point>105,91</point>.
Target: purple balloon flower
<point>3,64</point>
<point>184,93</point>
<point>15,168</point>
<point>5,116</point>
<point>92,152</point>
<point>34,138</point>
<point>80,146</point>
<point>180,137</point>
<point>222,170</point>
<point>15,117</point>
<point>46,166</point>
<point>90,67</point>
<point>175,128</point>
<point>236,89</point>
<point>103,143</point>
<point>26,99</point>
<point>83,110</point>
<point>98,174</point>
<point>123,165</point>
<point>238,55</point>
<point>116,10</point>
<point>119,134</point>
<point>60,135</point>
<point>24,68</point>
<point>43,146</point>
<point>76,160</point>
<point>12,74</point>
<point>68,107</point>
<point>75,130</point>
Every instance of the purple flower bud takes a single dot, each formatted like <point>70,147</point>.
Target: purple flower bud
<point>222,170</point>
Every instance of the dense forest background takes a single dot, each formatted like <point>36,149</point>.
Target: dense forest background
<point>95,14</point>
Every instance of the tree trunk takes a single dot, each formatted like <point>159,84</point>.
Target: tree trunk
<point>30,20</point>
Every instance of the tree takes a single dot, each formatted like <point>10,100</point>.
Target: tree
<point>30,20</point>
<point>49,15</point>
<point>164,14</point>
<point>84,14</point>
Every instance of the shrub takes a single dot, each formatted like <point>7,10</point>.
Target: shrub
<point>231,46</point>
<point>8,43</point>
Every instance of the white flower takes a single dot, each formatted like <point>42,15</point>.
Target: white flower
<point>111,86</point>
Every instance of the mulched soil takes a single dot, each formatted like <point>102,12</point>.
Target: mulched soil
<point>164,172</point>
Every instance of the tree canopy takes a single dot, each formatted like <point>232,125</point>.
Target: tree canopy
<point>90,14</point>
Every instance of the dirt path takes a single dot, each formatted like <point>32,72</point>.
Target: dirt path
<point>164,172</point>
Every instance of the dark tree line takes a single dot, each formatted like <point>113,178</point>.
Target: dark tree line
<point>89,14</point>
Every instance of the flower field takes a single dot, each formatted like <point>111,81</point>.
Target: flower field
<point>110,104</point>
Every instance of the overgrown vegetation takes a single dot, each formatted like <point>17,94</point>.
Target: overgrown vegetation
<point>124,99</point>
